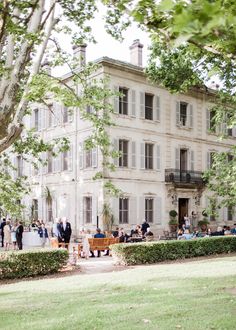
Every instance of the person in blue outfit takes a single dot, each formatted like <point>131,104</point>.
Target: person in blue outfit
<point>98,234</point>
<point>43,234</point>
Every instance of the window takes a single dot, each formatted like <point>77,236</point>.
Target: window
<point>65,161</point>
<point>230,213</point>
<point>212,121</point>
<point>123,210</point>
<point>88,158</point>
<point>49,162</point>
<point>19,164</point>
<point>123,148</point>
<point>183,113</point>
<point>148,106</point>
<point>123,101</point>
<point>50,114</point>
<point>149,209</point>
<point>36,119</point>
<point>34,210</point>
<point>65,115</point>
<point>148,156</point>
<point>88,209</point>
<point>230,132</point>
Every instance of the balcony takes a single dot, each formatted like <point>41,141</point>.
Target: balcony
<point>186,179</point>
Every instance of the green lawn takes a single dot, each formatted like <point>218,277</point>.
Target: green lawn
<point>190,295</point>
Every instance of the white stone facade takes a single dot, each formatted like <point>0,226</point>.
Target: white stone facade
<point>176,135</point>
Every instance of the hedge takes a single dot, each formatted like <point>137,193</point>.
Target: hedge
<point>25,263</point>
<point>153,252</point>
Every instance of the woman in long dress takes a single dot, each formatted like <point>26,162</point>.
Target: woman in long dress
<point>7,236</point>
<point>13,236</point>
<point>86,246</point>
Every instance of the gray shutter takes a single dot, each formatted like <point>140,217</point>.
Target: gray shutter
<point>141,209</point>
<point>132,210</point>
<point>234,131</point>
<point>191,160</point>
<point>133,103</point>
<point>81,156</point>
<point>54,162</point>
<point>208,164</point>
<point>94,157</point>
<point>81,210</point>
<point>40,119</point>
<point>177,113</point>
<point>116,148</point>
<point>142,155</point>
<point>142,104</point>
<point>94,210</point>
<point>157,210</point>
<point>158,157</point>
<point>133,153</point>
<point>208,120</point>
<point>71,112</point>
<point>43,118</point>
<point>177,158</point>
<point>225,213</point>
<point>70,158</point>
<point>45,167</point>
<point>115,209</point>
<point>157,107</point>
<point>54,114</point>
<point>190,115</point>
<point>116,99</point>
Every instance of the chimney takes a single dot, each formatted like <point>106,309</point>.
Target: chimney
<point>136,53</point>
<point>79,52</point>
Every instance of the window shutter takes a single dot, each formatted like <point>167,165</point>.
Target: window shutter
<point>133,160</point>
<point>54,166</point>
<point>71,112</point>
<point>116,99</point>
<point>142,155</point>
<point>223,128</point>
<point>133,103</point>
<point>132,210</point>
<point>81,156</point>
<point>14,163</point>
<point>43,118</point>
<point>190,115</point>
<point>70,158</point>
<point>157,211</point>
<point>94,157</point>
<point>191,160</point>
<point>45,167</point>
<point>234,131</point>
<point>40,119</point>
<point>208,165</point>
<point>94,210</point>
<point>177,158</point>
<point>177,113</point>
<point>157,107</point>
<point>115,209</point>
<point>32,119</point>
<point>142,105</point>
<point>58,162</point>
<point>208,119</point>
<point>141,209</point>
<point>54,114</point>
<point>225,213</point>
<point>116,148</point>
<point>158,157</point>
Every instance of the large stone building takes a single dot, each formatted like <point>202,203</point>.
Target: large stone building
<point>166,146</point>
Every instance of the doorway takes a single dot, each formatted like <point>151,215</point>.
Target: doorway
<point>183,209</point>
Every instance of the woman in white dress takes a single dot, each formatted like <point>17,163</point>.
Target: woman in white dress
<point>86,246</point>
<point>7,235</point>
<point>13,236</point>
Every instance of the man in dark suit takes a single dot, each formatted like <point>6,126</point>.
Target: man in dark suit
<point>3,224</point>
<point>19,235</point>
<point>65,231</point>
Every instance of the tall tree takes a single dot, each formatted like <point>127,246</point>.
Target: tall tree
<point>192,41</point>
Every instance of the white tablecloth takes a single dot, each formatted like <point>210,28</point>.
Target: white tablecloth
<point>31,239</point>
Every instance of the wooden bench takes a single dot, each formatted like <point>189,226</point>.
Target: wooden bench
<point>55,244</point>
<point>101,244</point>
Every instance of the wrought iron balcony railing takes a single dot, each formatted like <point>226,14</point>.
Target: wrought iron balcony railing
<point>178,176</point>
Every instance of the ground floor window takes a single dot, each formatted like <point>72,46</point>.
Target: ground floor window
<point>149,211</point>
<point>123,210</point>
<point>35,208</point>
<point>88,209</point>
<point>230,213</point>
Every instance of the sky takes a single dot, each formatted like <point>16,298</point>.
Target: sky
<point>107,45</point>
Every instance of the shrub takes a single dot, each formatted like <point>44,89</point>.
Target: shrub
<point>173,213</point>
<point>18,264</point>
<point>152,252</point>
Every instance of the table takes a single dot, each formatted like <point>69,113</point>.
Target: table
<point>31,238</point>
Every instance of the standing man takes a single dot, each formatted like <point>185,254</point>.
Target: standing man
<point>65,231</point>
<point>19,235</point>
<point>3,224</point>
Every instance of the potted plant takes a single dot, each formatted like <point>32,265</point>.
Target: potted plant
<point>107,217</point>
<point>203,224</point>
<point>173,223</point>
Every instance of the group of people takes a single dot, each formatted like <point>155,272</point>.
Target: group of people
<point>11,234</point>
<point>185,233</point>
<point>139,233</point>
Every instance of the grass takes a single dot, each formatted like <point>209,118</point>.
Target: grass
<point>191,295</point>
